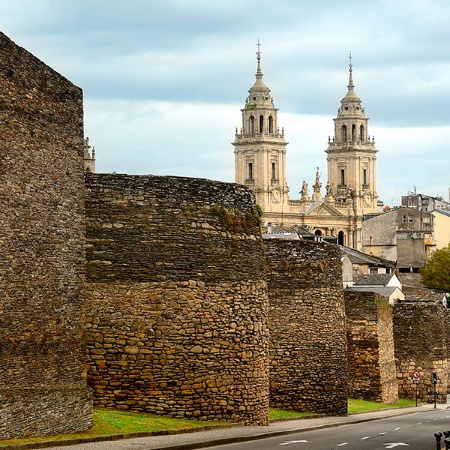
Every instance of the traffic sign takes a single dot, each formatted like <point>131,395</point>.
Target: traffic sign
<point>416,374</point>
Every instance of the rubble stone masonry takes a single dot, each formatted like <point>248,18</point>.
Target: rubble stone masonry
<point>370,341</point>
<point>178,316</point>
<point>420,344</point>
<point>42,373</point>
<point>308,358</point>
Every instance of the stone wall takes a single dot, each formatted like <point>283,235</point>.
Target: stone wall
<point>370,341</point>
<point>420,344</point>
<point>42,375</point>
<point>308,359</point>
<point>178,316</point>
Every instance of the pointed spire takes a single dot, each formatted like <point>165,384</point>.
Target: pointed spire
<point>259,83</point>
<point>351,95</point>
<point>258,57</point>
<point>350,86</point>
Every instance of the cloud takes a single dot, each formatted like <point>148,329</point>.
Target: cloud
<point>164,80</point>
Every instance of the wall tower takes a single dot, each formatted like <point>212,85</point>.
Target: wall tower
<point>260,148</point>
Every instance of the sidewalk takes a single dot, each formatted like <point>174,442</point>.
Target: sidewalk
<point>220,436</point>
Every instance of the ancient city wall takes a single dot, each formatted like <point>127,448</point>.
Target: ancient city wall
<point>420,344</point>
<point>370,341</point>
<point>42,375</point>
<point>308,359</point>
<point>178,316</point>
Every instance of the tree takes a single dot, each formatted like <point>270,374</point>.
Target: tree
<point>436,273</point>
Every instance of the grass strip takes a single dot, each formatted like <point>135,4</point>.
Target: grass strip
<point>358,406</point>
<point>108,422</point>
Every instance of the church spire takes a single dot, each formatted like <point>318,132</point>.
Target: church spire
<point>351,103</point>
<point>258,57</point>
<point>259,87</point>
<point>350,86</point>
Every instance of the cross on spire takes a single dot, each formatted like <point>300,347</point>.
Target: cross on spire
<point>350,58</point>
<point>259,48</point>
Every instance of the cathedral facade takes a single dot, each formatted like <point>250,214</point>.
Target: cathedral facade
<point>350,191</point>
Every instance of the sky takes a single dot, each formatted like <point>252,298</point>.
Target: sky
<point>164,80</point>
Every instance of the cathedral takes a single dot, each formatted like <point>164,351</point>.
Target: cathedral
<point>350,192</point>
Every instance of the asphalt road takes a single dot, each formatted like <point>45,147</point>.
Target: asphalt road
<point>409,432</point>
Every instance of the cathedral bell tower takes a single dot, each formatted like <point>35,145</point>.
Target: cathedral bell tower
<point>260,148</point>
<point>352,156</point>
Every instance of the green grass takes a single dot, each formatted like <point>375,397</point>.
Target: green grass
<point>281,414</point>
<point>108,422</point>
<point>356,406</point>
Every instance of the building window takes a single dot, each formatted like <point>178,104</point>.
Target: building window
<point>361,133</point>
<point>353,133</point>
<point>404,219</point>
<point>261,123</point>
<point>341,238</point>
<point>342,177</point>
<point>274,171</point>
<point>344,133</point>
<point>250,171</point>
<point>270,124</point>
<point>364,176</point>
<point>251,123</point>
<point>410,219</point>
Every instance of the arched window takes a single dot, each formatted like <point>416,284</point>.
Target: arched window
<point>270,124</point>
<point>353,133</point>
<point>251,123</point>
<point>261,123</point>
<point>341,238</point>
<point>361,133</point>
<point>318,233</point>
<point>342,177</point>
<point>344,133</point>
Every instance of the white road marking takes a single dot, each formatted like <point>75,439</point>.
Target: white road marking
<point>364,438</point>
<point>396,444</point>
<point>381,434</point>
<point>292,442</point>
<point>341,445</point>
<point>397,429</point>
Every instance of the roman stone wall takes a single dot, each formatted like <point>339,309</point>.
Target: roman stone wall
<point>370,341</point>
<point>308,358</point>
<point>178,316</point>
<point>420,344</point>
<point>42,374</point>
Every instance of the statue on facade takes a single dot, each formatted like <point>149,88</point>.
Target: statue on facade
<point>317,196</point>
<point>304,191</point>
